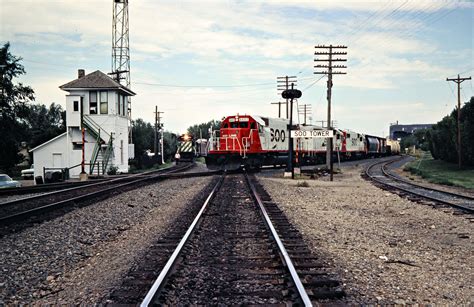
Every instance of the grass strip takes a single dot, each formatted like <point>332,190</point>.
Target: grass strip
<point>440,172</point>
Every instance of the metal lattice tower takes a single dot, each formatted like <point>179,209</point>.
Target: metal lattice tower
<point>120,43</point>
<point>121,52</point>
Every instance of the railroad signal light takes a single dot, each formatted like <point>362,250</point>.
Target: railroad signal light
<point>291,94</point>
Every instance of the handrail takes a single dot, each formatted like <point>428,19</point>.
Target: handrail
<point>108,153</point>
<point>246,139</point>
<point>233,138</point>
<point>94,126</point>
<point>95,129</point>
<point>95,153</point>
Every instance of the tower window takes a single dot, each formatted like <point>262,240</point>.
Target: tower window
<point>120,106</point>
<point>125,104</point>
<point>104,106</point>
<point>75,105</point>
<point>92,102</point>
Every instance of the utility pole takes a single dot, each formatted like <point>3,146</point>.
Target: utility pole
<point>279,103</point>
<point>283,84</point>
<point>157,129</point>
<point>327,69</point>
<point>304,110</point>
<point>459,80</point>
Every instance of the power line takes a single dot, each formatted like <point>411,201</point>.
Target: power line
<point>210,85</point>
<point>313,83</point>
<point>463,72</point>
<point>203,85</point>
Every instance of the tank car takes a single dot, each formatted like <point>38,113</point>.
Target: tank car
<point>393,147</point>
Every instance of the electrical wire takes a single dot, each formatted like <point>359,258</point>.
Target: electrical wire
<point>462,72</point>
<point>312,84</point>
<point>203,86</point>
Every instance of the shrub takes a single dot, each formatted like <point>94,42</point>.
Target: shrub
<point>112,170</point>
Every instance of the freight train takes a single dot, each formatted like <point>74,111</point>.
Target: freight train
<point>254,141</point>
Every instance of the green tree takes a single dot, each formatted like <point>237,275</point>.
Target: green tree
<point>143,136</point>
<point>144,139</point>
<point>44,123</point>
<point>467,132</point>
<point>13,108</point>
<point>202,129</point>
<point>170,145</point>
<point>442,138</point>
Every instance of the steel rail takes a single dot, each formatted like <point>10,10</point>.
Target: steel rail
<point>415,193</point>
<point>388,174</point>
<point>93,184</point>
<point>63,185</point>
<point>41,209</point>
<point>44,187</point>
<point>171,261</point>
<point>294,275</point>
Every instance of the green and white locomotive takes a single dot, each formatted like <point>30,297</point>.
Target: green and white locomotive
<point>186,151</point>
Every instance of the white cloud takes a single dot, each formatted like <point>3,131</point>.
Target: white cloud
<point>215,42</point>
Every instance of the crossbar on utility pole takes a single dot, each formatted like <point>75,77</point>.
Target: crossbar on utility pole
<point>304,110</point>
<point>283,84</point>
<point>459,80</point>
<point>329,51</point>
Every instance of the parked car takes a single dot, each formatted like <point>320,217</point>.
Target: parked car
<point>28,173</point>
<point>7,182</point>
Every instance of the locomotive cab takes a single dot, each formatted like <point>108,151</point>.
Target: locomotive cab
<point>238,134</point>
<point>236,142</point>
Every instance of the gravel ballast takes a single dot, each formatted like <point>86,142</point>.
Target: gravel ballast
<point>387,249</point>
<point>79,257</point>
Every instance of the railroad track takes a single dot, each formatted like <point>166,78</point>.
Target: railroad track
<point>24,208</point>
<point>239,249</point>
<point>42,188</point>
<point>379,173</point>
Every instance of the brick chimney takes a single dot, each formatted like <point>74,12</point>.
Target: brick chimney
<point>80,73</point>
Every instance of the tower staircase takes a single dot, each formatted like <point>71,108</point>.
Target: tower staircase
<point>103,149</point>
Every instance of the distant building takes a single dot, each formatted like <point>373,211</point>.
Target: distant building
<point>399,131</point>
<point>100,105</point>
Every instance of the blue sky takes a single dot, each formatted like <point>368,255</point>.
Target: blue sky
<point>202,60</point>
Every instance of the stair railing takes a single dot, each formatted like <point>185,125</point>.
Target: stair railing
<point>95,152</point>
<point>108,154</point>
<point>94,127</point>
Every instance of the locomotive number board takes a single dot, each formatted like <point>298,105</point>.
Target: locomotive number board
<point>312,133</point>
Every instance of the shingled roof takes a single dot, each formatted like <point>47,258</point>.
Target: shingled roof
<point>96,80</point>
